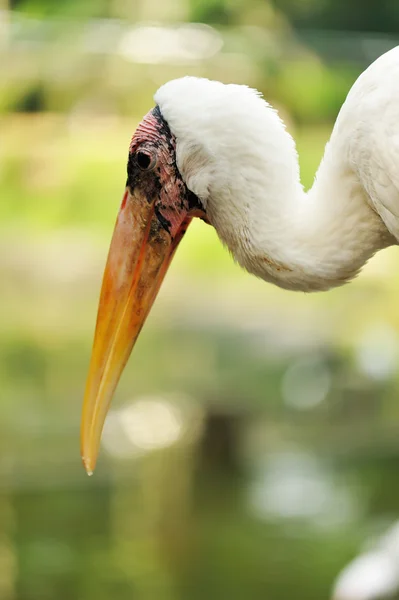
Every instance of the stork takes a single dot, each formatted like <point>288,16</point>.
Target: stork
<point>221,152</point>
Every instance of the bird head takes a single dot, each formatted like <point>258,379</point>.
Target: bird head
<point>198,153</point>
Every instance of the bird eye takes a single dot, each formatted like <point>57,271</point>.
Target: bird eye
<point>145,161</point>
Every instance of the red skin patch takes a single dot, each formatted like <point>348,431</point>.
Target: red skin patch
<point>147,131</point>
<point>124,199</point>
<point>172,201</point>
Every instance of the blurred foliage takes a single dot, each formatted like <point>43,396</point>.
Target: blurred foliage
<point>380,16</point>
<point>59,63</point>
<point>358,15</point>
<point>288,456</point>
<point>89,9</point>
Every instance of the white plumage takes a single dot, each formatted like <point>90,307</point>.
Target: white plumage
<point>373,575</point>
<point>234,153</point>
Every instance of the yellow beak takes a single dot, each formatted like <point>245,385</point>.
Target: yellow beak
<point>140,254</point>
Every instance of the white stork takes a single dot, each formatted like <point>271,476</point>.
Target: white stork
<point>221,152</point>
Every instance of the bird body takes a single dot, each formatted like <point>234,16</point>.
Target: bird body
<point>235,154</point>
<point>222,153</point>
<point>373,574</point>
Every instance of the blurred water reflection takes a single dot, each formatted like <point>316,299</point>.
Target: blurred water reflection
<point>306,383</point>
<point>151,423</point>
<point>166,45</point>
<point>298,485</point>
<point>378,351</point>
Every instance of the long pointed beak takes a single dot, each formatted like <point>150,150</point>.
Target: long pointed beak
<point>140,254</point>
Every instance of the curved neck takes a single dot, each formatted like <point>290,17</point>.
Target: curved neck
<point>313,240</point>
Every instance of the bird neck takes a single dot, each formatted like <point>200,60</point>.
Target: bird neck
<point>315,240</point>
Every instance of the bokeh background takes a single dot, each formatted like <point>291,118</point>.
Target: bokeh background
<point>253,444</point>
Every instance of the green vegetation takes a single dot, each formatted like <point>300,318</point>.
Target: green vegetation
<point>285,451</point>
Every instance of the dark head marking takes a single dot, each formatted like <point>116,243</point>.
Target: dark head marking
<point>152,167</point>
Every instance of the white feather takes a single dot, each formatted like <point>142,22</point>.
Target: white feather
<point>372,576</point>
<point>234,153</point>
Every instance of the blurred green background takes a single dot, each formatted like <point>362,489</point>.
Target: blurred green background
<point>253,442</point>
